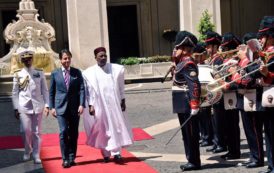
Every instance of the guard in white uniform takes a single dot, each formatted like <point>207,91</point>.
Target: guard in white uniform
<point>30,98</point>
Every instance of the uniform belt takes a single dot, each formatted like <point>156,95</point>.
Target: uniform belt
<point>183,88</point>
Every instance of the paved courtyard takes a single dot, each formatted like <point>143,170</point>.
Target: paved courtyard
<point>149,107</point>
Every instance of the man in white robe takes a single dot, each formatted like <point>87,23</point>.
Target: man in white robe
<point>105,121</point>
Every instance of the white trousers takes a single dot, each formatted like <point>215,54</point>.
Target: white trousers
<point>31,128</point>
<point>106,153</point>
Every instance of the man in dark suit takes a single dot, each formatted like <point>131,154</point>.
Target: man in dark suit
<point>67,98</point>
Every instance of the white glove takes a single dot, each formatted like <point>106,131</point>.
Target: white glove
<point>194,111</point>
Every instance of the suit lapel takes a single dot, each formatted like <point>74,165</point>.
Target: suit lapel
<point>71,73</point>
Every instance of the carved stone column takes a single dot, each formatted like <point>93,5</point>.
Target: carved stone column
<point>87,29</point>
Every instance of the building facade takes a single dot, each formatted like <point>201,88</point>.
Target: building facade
<point>133,28</point>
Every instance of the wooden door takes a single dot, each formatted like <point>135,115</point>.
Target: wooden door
<point>242,16</point>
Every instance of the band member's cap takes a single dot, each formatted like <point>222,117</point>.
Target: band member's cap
<point>185,38</point>
<point>213,38</point>
<point>99,49</point>
<point>229,42</point>
<point>266,27</point>
<point>26,54</point>
<point>248,36</point>
<point>199,48</point>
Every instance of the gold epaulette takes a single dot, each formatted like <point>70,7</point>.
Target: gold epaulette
<point>17,70</point>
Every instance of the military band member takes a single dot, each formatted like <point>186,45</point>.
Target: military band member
<point>185,96</point>
<point>213,41</point>
<point>252,119</point>
<point>205,125</point>
<point>266,37</point>
<point>232,129</point>
<point>30,98</point>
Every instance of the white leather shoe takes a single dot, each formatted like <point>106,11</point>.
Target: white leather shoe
<point>26,157</point>
<point>37,161</point>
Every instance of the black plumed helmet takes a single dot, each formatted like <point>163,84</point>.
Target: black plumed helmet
<point>213,38</point>
<point>248,36</point>
<point>266,27</point>
<point>230,41</point>
<point>185,38</point>
<point>199,48</point>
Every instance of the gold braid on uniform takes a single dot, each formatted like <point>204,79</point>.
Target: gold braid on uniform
<point>24,83</point>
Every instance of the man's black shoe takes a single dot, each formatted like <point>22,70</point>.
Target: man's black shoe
<point>229,156</point>
<point>205,144</point>
<point>72,163</point>
<point>211,148</point>
<point>254,165</point>
<point>219,149</point>
<point>118,158</point>
<point>189,167</point>
<point>106,159</point>
<point>65,164</point>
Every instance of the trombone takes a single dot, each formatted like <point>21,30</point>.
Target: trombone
<point>223,85</point>
<point>224,67</point>
<point>223,77</point>
<point>266,55</point>
<point>226,53</point>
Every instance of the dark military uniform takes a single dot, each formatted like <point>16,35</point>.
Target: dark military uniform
<point>205,124</point>
<point>266,31</point>
<point>269,118</point>
<point>232,129</point>
<point>218,119</point>
<point>252,120</point>
<point>185,96</point>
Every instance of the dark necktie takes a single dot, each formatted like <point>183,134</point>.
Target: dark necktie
<point>67,78</point>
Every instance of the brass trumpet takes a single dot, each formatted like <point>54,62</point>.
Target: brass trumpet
<point>225,53</point>
<point>266,55</point>
<point>229,54</point>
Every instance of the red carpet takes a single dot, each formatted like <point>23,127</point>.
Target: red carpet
<point>89,160</point>
<point>9,142</point>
